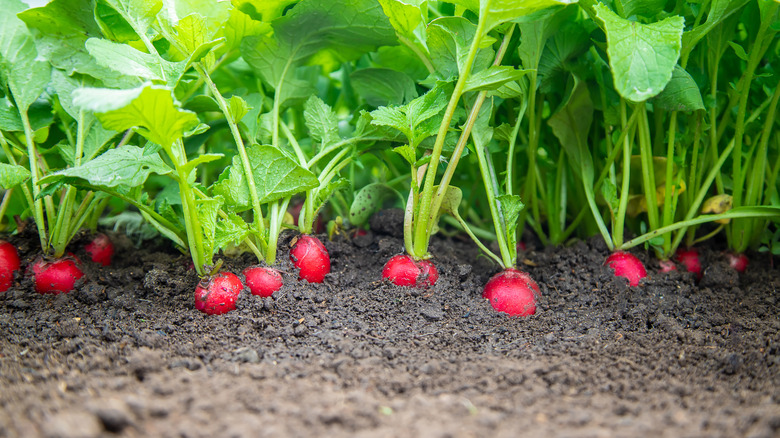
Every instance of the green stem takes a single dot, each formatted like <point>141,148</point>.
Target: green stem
<point>702,193</point>
<point>259,222</point>
<point>648,169</point>
<point>735,213</point>
<point>669,188</point>
<point>413,47</point>
<point>422,236</point>
<point>190,210</point>
<point>36,203</point>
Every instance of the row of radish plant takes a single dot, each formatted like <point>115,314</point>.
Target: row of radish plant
<point>200,121</point>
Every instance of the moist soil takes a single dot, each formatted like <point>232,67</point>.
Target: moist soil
<point>127,355</point>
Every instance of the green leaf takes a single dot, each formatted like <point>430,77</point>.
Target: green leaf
<point>449,40</point>
<point>409,119</point>
<point>368,201</point>
<point>346,28</point>
<point>126,166</point>
<point>276,176</point>
<point>150,109</point>
<point>383,86</point>
<point>203,158</point>
<point>262,10</point>
<point>405,16</point>
<point>240,25</point>
<point>326,192</point>
<point>208,209</point>
<point>11,175</point>
<point>25,74</point>
<point>231,230</point>
<point>132,62</point>
<point>561,53</point>
<point>642,56</point>
<point>510,206</point>
<point>645,8</point>
<point>321,120</point>
<point>496,12</point>
<point>9,116</point>
<point>571,124</point>
<point>407,152</point>
<point>493,77</point>
<point>237,107</point>
<point>451,201</point>
<point>609,192</point>
<point>680,94</point>
<point>739,51</point>
<point>60,30</point>
<point>140,14</point>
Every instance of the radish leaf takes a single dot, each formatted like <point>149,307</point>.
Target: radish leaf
<point>642,56</point>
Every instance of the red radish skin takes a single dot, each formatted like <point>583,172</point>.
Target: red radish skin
<point>626,265</point>
<point>738,261</point>
<point>9,263</point>
<point>219,294</point>
<point>100,249</point>
<point>263,281</point>
<point>691,260</point>
<point>311,258</point>
<point>513,292</point>
<point>56,277</point>
<point>403,270</point>
<point>667,265</point>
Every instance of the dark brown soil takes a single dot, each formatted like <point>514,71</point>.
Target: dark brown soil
<point>127,354</point>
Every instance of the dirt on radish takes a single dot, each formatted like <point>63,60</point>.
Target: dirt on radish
<point>127,354</point>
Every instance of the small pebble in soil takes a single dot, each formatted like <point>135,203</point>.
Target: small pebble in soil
<point>72,424</point>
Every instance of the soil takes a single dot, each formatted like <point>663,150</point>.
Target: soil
<point>127,355</point>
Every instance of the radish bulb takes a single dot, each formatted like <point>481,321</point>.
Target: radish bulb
<point>263,281</point>
<point>311,258</point>
<point>403,270</point>
<point>56,277</point>
<point>100,249</point>
<point>9,263</point>
<point>513,292</point>
<point>218,295</point>
<point>626,265</point>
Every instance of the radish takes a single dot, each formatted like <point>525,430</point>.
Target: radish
<point>100,249</point>
<point>311,257</point>
<point>667,265</point>
<point>218,295</point>
<point>626,265</point>
<point>690,259</point>
<point>403,270</point>
<point>738,261</point>
<point>56,277</point>
<point>263,281</point>
<point>9,263</point>
<point>513,292</point>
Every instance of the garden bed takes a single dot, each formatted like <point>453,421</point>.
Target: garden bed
<point>126,354</point>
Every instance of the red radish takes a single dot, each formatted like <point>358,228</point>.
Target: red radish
<point>218,295</point>
<point>311,257</point>
<point>513,292</point>
<point>690,259</point>
<point>626,265</point>
<point>521,246</point>
<point>100,249</point>
<point>403,270</point>
<point>667,265</point>
<point>738,261</point>
<point>263,281</point>
<point>56,277</point>
<point>9,263</point>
